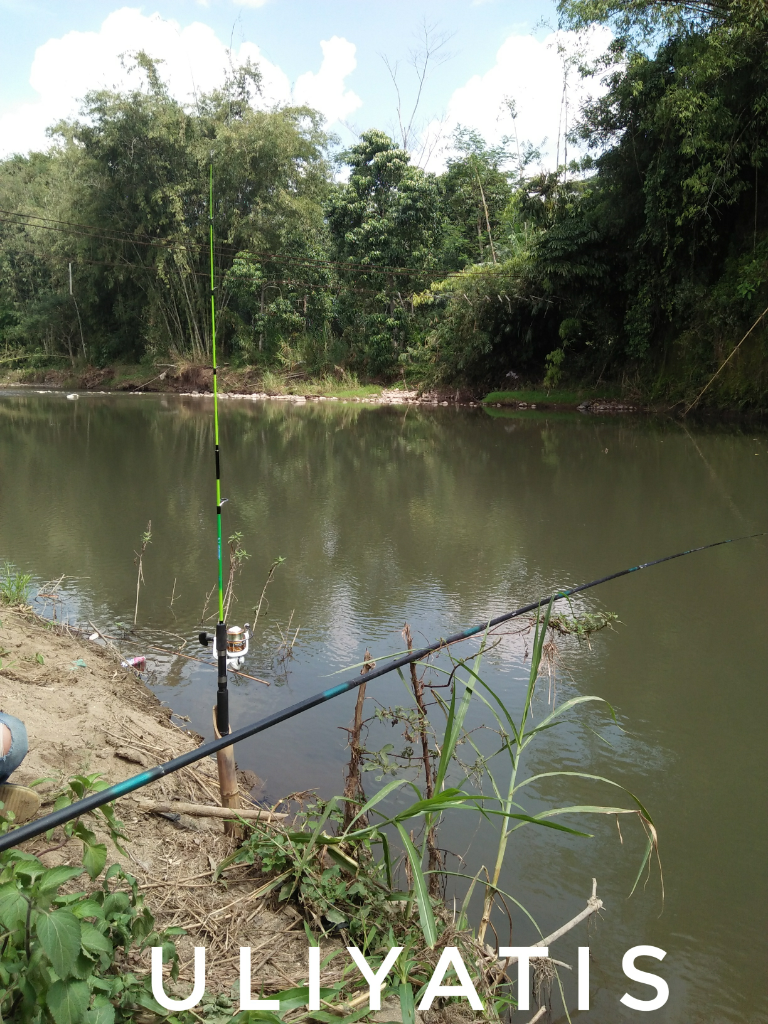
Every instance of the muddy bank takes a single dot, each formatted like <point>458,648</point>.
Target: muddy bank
<point>84,714</point>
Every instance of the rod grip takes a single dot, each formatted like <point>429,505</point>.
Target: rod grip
<point>222,696</point>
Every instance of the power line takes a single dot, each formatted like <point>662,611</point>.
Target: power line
<point>92,231</point>
<point>337,287</point>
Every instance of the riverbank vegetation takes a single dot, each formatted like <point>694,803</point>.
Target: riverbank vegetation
<point>344,871</point>
<point>640,266</point>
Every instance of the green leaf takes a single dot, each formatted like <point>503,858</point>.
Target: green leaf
<point>426,914</point>
<point>67,1001</point>
<point>83,967</point>
<point>93,941</point>
<point>293,998</point>
<point>84,833</point>
<point>547,722</point>
<point>643,862</point>
<point>94,858</point>
<point>585,775</point>
<point>343,859</point>
<point>261,1015</point>
<point>59,934</point>
<point>56,877</point>
<point>88,908</point>
<point>440,802</point>
<point>407,1006</point>
<point>30,871</point>
<point>116,903</point>
<point>384,791</point>
<point>104,1013</point>
<point>387,858</point>
<point>13,906</point>
<point>332,1018</point>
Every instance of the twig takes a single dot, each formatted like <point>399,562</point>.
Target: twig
<point>270,575</point>
<point>538,1015</point>
<point>593,905</point>
<point>435,861</point>
<point>146,539</point>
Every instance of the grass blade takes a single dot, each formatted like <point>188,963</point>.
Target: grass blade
<point>426,914</point>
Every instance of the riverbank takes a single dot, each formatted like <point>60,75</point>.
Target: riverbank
<point>87,715</point>
<point>192,379</point>
<point>248,382</point>
<point>89,718</point>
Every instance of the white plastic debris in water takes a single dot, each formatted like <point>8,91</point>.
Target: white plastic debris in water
<point>73,396</point>
<point>94,636</point>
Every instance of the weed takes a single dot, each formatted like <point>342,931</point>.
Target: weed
<point>64,956</point>
<point>237,558</point>
<point>146,538</point>
<point>14,585</point>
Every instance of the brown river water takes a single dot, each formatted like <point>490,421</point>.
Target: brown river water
<point>441,518</point>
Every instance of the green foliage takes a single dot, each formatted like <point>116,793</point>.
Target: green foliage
<point>94,852</point>
<point>351,892</point>
<point>14,585</point>
<point>645,260</point>
<point>134,168</point>
<point>63,955</point>
<point>386,216</point>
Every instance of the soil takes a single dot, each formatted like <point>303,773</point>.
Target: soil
<point>84,713</point>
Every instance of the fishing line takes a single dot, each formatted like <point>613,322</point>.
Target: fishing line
<point>90,803</point>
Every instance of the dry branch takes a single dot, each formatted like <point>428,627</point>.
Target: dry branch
<point>208,810</point>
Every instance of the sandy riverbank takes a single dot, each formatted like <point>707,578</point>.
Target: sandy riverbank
<point>86,714</point>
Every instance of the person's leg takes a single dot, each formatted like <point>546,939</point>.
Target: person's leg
<point>13,744</point>
<point>22,800</point>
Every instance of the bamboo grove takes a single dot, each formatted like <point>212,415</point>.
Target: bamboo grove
<point>644,261</point>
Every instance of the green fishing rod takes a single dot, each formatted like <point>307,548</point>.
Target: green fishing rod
<point>222,694</point>
<point>217,746</point>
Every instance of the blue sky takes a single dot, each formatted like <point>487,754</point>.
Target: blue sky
<point>323,52</point>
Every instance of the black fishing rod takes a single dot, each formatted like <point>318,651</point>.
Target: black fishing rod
<point>90,803</point>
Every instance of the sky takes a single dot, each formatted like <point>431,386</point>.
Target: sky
<point>330,54</point>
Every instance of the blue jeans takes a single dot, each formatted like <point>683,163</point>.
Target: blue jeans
<point>19,745</point>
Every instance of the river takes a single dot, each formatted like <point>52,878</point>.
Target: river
<point>442,517</point>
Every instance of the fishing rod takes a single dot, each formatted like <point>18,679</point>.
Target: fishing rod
<point>222,696</point>
<point>90,803</point>
<point>223,650</point>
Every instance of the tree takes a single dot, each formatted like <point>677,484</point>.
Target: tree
<point>477,191</point>
<point>385,225</point>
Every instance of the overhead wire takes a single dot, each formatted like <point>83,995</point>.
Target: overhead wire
<point>333,286</point>
<point>232,251</point>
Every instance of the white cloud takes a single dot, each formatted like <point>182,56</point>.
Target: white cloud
<point>326,90</point>
<point>251,3</point>
<point>194,59</point>
<point>530,72</point>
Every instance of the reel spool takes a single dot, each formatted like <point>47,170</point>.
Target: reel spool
<point>238,639</point>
